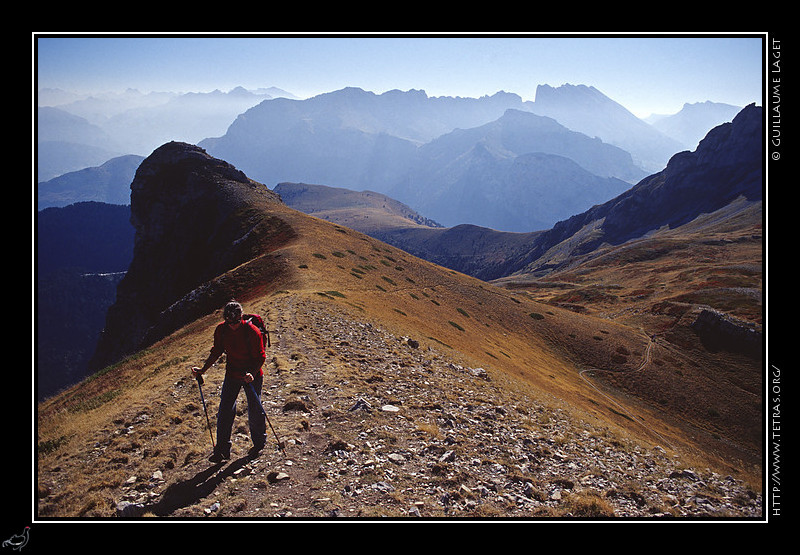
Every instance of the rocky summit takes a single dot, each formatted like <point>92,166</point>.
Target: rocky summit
<point>196,218</point>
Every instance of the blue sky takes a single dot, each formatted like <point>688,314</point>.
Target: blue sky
<point>654,74</point>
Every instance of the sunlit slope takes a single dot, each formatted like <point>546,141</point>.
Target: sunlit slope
<point>664,284</point>
<point>508,335</point>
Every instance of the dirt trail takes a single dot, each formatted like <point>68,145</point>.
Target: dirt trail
<point>624,410</point>
<point>376,426</point>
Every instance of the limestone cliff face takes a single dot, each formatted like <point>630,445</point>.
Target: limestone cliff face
<point>195,219</point>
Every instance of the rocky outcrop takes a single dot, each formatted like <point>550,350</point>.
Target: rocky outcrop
<point>720,331</point>
<point>195,218</point>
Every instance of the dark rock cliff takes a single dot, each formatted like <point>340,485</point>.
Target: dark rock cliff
<point>196,218</point>
<point>720,331</point>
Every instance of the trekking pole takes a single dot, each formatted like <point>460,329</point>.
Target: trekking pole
<point>264,412</point>
<point>202,399</point>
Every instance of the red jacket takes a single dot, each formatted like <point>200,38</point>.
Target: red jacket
<point>243,346</point>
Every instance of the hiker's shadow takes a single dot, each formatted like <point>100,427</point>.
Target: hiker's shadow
<point>189,492</point>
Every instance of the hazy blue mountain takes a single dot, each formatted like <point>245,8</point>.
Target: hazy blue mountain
<point>692,123</point>
<point>348,138</point>
<point>425,152</point>
<point>109,183</point>
<point>529,192</point>
<point>585,109</point>
<point>55,124</point>
<point>726,167</point>
<point>522,172</point>
<point>65,142</point>
<point>98,107</point>
<point>56,97</point>
<point>188,117</point>
<point>88,131</point>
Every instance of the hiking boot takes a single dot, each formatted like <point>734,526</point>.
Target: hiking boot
<point>218,457</point>
<point>255,450</point>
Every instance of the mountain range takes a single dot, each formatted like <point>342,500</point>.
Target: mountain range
<point>727,161</point>
<point>398,143</point>
<point>491,150</point>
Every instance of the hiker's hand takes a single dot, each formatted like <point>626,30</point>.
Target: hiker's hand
<point>248,378</point>
<point>196,371</point>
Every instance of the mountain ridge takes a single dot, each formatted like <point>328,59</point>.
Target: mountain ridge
<point>727,161</point>
<point>332,140</point>
<point>365,211</point>
<point>109,183</point>
<point>587,110</point>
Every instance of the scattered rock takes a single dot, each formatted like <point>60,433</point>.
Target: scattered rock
<point>126,509</point>
<point>275,477</point>
<point>480,373</point>
<point>361,404</point>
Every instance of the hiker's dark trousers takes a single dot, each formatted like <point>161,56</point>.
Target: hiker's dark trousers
<point>227,412</point>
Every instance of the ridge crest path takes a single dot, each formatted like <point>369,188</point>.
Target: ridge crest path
<point>376,426</point>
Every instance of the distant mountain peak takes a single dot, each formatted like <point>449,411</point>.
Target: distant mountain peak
<point>548,93</point>
<point>587,110</point>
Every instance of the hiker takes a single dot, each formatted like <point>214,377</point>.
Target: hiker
<point>243,345</point>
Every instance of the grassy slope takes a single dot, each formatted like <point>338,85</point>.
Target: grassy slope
<point>522,342</point>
